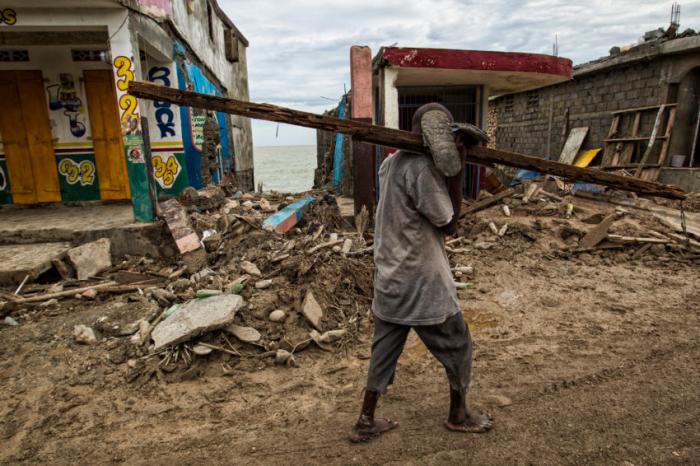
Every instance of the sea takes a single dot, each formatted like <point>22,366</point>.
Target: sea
<point>287,169</point>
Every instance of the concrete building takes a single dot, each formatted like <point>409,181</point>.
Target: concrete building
<point>70,132</point>
<point>389,88</point>
<point>664,69</point>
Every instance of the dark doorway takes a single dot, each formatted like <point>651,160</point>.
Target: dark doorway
<point>461,101</point>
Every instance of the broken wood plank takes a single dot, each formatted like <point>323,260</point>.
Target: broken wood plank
<point>652,139</point>
<point>391,137</point>
<point>598,233</point>
<point>488,202</point>
<point>635,239</point>
<point>573,144</point>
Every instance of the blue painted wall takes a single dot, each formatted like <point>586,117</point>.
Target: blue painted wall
<point>191,119</point>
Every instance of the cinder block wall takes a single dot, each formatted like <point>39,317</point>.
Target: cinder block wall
<point>522,119</point>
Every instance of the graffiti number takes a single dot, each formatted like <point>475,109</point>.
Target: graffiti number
<point>123,65</point>
<point>73,172</point>
<point>3,180</point>
<point>8,16</point>
<point>165,171</point>
<point>128,104</point>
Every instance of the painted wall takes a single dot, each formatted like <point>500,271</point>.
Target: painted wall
<point>67,105</point>
<point>191,77</point>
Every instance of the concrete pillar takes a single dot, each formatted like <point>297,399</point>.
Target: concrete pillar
<point>390,97</point>
<point>364,192</point>
<point>125,62</point>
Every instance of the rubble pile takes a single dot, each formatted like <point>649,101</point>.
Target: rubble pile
<point>276,275</point>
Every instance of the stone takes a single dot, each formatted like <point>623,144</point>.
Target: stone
<point>332,336</point>
<point>195,260</point>
<point>336,249</point>
<point>262,284</point>
<point>283,357</point>
<point>245,334</point>
<point>139,338</point>
<point>196,317</point>
<point>312,310</point>
<point>89,259</point>
<point>264,204</point>
<point>201,350</point>
<point>278,315</point>
<point>347,246</point>
<point>175,216</point>
<point>89,294</point>
<point>164,297</point>
<point>10,321</point>
<point>250,268</point>
<point>84,334</point>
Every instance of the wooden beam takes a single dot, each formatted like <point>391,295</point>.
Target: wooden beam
<point>390,137</point>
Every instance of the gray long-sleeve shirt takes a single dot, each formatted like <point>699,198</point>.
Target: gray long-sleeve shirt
<point>413,284</point>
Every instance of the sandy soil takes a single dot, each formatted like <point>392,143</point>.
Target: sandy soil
<point>591,359</point>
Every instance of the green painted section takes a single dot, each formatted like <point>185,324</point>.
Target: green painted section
<point>138,177</point>
<point>78,177</point>
<point>5,196</point>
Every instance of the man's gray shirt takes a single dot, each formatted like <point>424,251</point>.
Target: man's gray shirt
<point>413,284</point>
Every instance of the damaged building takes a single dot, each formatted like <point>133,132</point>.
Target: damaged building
<point>388,88</point>
<point>614,106</point>
<point>70,132</point>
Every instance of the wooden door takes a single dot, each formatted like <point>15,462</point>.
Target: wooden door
<point>106,134</point>
<point>24,124</point>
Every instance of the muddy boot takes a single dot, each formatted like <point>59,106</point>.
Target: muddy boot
<point>438,136</point>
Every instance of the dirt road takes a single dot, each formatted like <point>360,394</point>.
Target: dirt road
<point>582,361</point>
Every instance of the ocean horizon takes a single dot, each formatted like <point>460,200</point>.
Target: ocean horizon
<point>285,168</point>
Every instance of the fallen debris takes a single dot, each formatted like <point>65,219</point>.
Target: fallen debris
<point>312,310</point>
<point>84,335</point>
<point>195,318</point>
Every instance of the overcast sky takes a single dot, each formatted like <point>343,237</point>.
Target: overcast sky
<point>299,49</point>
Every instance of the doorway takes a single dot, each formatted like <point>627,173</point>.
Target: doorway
<point>26,133</point>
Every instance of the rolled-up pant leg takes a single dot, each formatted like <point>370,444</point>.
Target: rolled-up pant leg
<point>450,342</point>
<point>388,343</point>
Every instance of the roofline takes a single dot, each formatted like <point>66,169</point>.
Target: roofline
<point>648,53</point>
<point>224,17</point>
<point>481,60</point>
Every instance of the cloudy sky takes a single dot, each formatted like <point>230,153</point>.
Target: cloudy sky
<point>299,49</point>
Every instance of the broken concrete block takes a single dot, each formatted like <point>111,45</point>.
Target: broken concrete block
<point>262,284</point>
<point>208,198</point>
<point>250,268</point>
<point>312,310</point>
<point>195,318</point>
<point>286,218</point>
<point>89,259</point>
<point>186,239</point>
<point>245,334</point>
<point>84,334</point>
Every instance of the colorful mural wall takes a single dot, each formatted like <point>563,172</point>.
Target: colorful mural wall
<point>190,77</point>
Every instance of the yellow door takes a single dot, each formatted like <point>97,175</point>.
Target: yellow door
<point>24,124</point>
<point>106,134</point>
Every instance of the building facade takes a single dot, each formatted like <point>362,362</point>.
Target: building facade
<point>69,131</point>
<point>659,71</point>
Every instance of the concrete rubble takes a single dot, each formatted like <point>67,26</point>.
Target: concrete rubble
<point>262,295</point>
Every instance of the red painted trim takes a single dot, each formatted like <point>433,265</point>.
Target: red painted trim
<point>477,60</point>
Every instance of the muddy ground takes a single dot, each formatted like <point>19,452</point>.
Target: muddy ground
<point>590,359</point>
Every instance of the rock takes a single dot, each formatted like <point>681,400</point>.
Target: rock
<point>283,357</point>
<point>250,268</point>
<point>195,260</point>
<point>278,315</point>
<point>248,205</point>
<point>139,338</point>
<point>84,334</point>
<point>262,284</point>
<point>347,246</point>
<point>337,249</point>
<point>201,350</point>
<point>245,334</point>
<point>10,321</point>
<point>247,197</point>
<point>500,400</point>
<point>164,297</point>
<point>89,294</point>
<point>195,318</point>
<point>333,237</point>
<point>333,335</point>
<point>89,259</point>
<point>212,242</point>
<point>312,310</point>
<point>264,204</point>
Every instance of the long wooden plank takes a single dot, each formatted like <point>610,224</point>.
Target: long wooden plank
<point>394,138</point>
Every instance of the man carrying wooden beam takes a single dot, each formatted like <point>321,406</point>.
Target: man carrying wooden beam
<point>420,199</point>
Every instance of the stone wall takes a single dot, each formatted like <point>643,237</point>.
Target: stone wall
<point>587,100</point>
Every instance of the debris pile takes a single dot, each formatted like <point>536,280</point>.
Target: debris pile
<point>262,277</point>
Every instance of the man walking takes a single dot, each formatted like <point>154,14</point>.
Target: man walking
<point>419,202</point>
